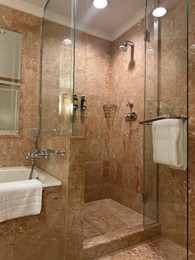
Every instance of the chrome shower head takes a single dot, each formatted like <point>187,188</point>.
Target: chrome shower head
<point>123,47</point>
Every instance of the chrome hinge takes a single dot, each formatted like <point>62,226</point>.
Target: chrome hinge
<point>145,197</point>
<point>147,36</point>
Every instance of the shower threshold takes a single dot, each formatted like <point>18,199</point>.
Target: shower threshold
<point>109,227</point>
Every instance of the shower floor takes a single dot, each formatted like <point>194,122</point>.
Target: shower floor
<point>161,248</point>
<point>105,216</point>
<point>113,231</point>
<point>109,227</point>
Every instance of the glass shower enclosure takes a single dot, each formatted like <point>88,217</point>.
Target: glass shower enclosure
<point>63,68</point>
<point>166,91</point>
<point>58,42</point>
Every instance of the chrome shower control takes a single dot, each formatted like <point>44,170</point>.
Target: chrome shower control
<point>130,117</point>
<point>130,104</point>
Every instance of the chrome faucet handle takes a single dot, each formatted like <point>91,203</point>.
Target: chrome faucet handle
<point>40,153</point>
<point>60,153</point>
<point>130,117</point>
<point>130,104</point>
<point>45,154</point>
<point>52,150</point>
<point>30,156</point>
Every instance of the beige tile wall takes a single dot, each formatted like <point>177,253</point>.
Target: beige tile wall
<point>173,95</point>
<point>71,171</point>
<point>97,90</point>
<point>36,237</point>
<point>113,147</point>
<point>191,133</point>
<point>42,236</point>
<point>57,80</point>
<point>125,150</point>
<point>114,151</point>
<point>30,28</point>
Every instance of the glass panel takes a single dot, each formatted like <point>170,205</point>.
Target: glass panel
<point>79,114</point>
<point>57,68</point>
<point>151,95</point>
<point>165,93</point>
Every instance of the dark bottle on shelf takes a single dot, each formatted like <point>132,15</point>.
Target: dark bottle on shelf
<point>83,103</point>
<point>75,102</point>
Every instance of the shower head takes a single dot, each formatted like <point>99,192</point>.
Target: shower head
<point>123,47</point>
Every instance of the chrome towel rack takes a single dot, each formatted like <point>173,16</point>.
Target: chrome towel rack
<point>150,120</point>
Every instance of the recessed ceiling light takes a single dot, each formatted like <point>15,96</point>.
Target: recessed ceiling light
<point>100,4</point>
<point>2,31</point>
<point>192,46</point>
<point>159,12</point>
<point>67,41</point>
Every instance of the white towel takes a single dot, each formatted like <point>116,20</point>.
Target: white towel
<point>169,137</point>
<point>19,199</point>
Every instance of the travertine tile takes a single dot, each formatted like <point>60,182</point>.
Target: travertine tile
<point>105,217</point>
<point>47,244</point>
<point>30,28</point>
<point>118,80</point>
<point>89,232</point>
<point>7,247</point>
<point>161,248</point>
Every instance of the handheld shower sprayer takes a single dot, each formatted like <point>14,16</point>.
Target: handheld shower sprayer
<point>34,132</point>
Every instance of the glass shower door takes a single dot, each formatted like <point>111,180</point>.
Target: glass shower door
<point>58,62</point>
<point>165,189</point>
<point>151,110</point>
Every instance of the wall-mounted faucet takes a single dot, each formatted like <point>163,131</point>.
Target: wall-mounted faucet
<point>51,151</point>
<point>130,104</point>
<point>45,154</point>
<point>132,116</point>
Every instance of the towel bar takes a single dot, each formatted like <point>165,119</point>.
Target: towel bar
<point>150,120</point>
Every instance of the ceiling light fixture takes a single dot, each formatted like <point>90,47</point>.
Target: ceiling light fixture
<point>67,41</point>
<point>159,12</point>
<point>192,46</point>
<point>2,31</point>
<point>100,4</point>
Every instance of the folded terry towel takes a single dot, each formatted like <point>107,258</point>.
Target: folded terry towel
<point>21,198</point>
<point>169,137</point>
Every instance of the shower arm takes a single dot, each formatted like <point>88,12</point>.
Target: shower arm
<point>130,43</point>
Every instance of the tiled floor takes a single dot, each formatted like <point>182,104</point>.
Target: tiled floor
<point>160,248</point>
<point>106,220</point>
<point>103,216</point>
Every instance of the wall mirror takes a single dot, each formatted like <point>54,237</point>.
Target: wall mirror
<point>10,67</point>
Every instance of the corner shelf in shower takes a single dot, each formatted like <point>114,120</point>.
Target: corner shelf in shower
<point>109,110</point>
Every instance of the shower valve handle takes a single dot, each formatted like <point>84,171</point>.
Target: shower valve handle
<point>130,104</point>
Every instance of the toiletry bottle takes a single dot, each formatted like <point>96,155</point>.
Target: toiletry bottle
<point>64,99</point>
<point>75,102</point>
<point>83,103</point>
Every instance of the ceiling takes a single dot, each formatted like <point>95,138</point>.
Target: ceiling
<point>108,23</point>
